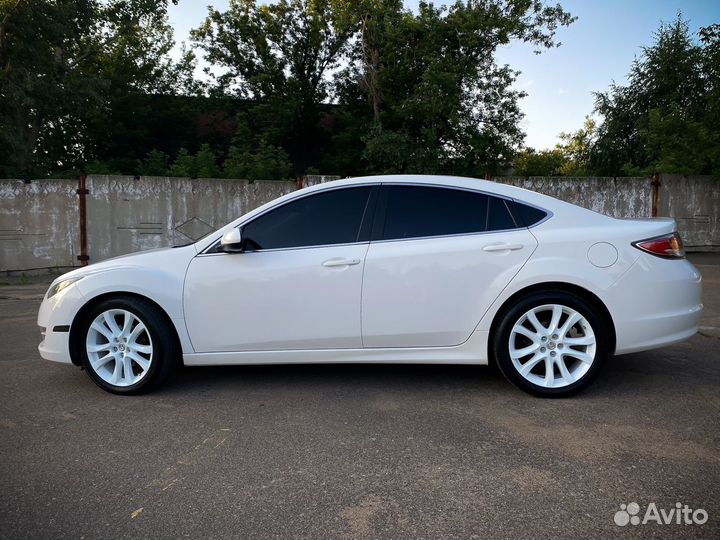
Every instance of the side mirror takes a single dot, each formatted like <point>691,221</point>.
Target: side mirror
<point>231,242</point>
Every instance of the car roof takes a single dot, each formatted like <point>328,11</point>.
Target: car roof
<point>565,214</point>
<point>487,186</point>
<point>431,179</point>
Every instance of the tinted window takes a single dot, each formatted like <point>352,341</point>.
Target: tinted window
<point>414,211</point>
<point>499,217</point>
<point>333,217</point>
<point>527,215</point>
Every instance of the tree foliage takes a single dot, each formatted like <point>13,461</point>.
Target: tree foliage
<point>348,87</point>
<point>576,149</point>
<point>47,83</point>
<point>65,69</point>
<point>427,88</point>
<point>278,55</point>
<point>420,91</point>
<point>569,158</point>
<point>342,86</point>
<point>531,162</point>
<point>666,118</point>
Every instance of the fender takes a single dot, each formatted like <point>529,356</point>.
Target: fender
<point>143,276</point>
<point>544,266</point>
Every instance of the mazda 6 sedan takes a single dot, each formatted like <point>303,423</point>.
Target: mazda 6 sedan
<point>385,269</point>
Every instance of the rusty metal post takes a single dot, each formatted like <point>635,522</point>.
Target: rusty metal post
<point>82,192</point>
<point>298,182</point>
<point>655,183</point>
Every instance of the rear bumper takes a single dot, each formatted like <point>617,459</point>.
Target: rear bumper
<point>657,302</point>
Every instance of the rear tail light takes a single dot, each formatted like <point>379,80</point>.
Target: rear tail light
<point>669,246</point>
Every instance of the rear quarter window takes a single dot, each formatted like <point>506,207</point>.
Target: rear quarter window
<point>499,218</point>
<point>527,215</point>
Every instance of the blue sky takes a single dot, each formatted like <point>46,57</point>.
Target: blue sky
<point>596,49</point>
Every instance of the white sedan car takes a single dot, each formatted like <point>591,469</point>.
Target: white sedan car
<point>386,269</point>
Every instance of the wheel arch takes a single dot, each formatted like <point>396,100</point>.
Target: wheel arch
<point>550,286</point>
<point>75,344</point>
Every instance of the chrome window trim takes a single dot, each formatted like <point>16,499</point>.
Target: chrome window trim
<point>454,235</point>
<point>548,215</point>
<point>317,246</point>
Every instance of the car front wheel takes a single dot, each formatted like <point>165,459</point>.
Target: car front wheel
<point>127,345</point>
<point>551,344</point>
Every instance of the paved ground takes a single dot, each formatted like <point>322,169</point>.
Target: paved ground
<point>355,451</point>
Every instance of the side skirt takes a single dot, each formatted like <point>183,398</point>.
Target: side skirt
<point>473,351</point>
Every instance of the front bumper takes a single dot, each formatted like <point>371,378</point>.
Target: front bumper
<point>55,346</point>
<point>58,311</point>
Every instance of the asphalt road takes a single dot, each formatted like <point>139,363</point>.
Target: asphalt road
<point>356,451</point>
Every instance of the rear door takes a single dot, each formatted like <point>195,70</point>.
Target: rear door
<point>438,259</point>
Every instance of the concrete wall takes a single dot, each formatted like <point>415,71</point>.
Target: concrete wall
<point>39,226</point>
<point>39,222</point>
<point>126,215</point>
<point>694,201</point>
<point>616,197</point>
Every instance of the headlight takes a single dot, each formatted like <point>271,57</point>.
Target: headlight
<point>60,285</point>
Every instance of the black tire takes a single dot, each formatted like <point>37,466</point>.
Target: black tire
<point>166,352</point>
<point>513,314</point>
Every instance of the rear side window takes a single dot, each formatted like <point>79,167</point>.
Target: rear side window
<point>420,211</point>
<point>499,218</point>
<point>331,217</point>
<point>527,215</point>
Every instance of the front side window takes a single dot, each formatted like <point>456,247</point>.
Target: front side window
<point>331,217</point>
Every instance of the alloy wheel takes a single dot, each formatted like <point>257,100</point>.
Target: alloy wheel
<point>552,346</point>
<point>119,347</point>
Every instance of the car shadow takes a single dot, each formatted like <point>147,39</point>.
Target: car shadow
<point>335,376</point>
<point>652,372</point>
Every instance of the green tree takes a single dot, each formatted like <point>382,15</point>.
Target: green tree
<point>677,144</point>
<point>204,162</point>
<point>184,165</point>
<point>666,118</point>
<point>428,89</point>
<point>47,84</point>
<point>530,162</point>
<point>155,164</point>
<point>134,62</point>
<point>201,164</point>
<point>261,162</point>
<point>135,56</point>
<point>279,55</point>
<point>576,149</point>
<point>64,66</point>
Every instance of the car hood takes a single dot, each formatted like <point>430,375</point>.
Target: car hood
<point>149,257</point>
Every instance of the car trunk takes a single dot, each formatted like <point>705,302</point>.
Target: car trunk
<point>649,227</point>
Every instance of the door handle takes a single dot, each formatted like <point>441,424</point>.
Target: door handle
<point>341,262</point>
<point>503,247</point>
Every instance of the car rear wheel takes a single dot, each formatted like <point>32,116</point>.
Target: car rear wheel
<point>127,345</point>
<point>551,344</point>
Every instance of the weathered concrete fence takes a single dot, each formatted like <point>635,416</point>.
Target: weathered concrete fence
<point>40,225</point>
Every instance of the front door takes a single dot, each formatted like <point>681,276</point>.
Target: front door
<point>297,286</point>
